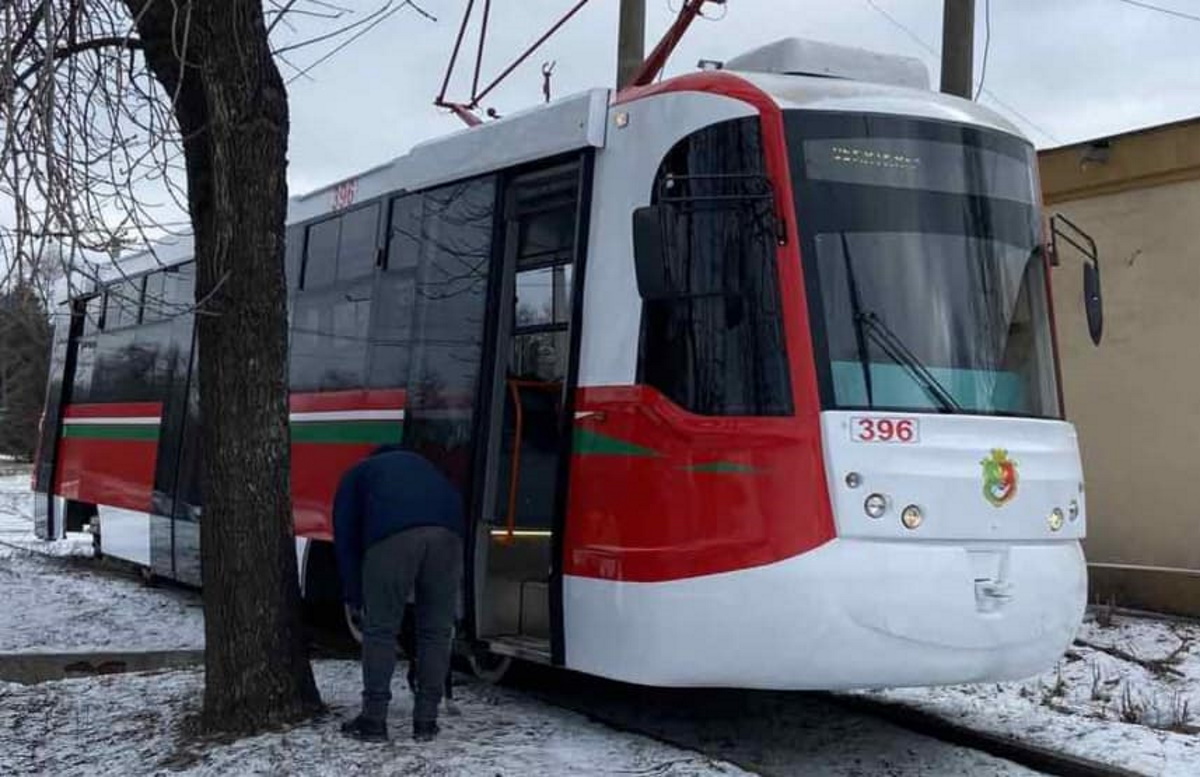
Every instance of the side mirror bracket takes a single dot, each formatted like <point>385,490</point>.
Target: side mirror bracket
<point>1062,228</point>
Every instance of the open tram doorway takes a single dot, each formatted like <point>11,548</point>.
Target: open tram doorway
<point>528,422</point>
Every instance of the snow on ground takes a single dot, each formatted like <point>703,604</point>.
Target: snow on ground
<point>16,518</point>
<point>129,724</point>
<point>1127,693</point>
<point>65,604</point>
<point>53,605</point>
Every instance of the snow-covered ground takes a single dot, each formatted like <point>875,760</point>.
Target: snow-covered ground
<point>54,606</point>
<point>16,518</point>
<point>63,605</point>
<point>1127,693</point>
<point>129,725</point>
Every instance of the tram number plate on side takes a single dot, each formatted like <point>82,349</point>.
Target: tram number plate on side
<point>893,430</point>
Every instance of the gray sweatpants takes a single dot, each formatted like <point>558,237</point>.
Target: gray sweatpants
<point>429,559</point>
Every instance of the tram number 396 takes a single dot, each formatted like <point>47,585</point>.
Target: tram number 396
<point>899,430</point>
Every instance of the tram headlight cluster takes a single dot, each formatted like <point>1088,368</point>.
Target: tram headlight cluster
<point>1056,519</point>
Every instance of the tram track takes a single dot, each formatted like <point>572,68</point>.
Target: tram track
<point>785,733</point>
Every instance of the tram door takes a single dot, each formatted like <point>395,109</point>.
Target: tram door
<point>528,425</point>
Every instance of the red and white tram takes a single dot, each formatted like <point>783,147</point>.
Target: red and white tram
<point>749,378</point>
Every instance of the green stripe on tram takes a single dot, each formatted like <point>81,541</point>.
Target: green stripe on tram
<point>380,432</point>
<point>365,432</point>
<point>723,468</point>
<point>114,431</point>
<point>592,443</point>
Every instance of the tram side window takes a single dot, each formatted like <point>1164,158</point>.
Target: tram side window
<point>341,248</point>
<point>123,304</point>
<point>449,321</point>
<point>179,287</point>
<point>93,315</point>
<point>390,341</point>
<point>127,368</point>
<point>545,254</point>
<point>320,256</point>
<point>154,303</point>
<point>293,256</point>
<point>329,337</point>
<point>714,343</point>
<point>169,293</point>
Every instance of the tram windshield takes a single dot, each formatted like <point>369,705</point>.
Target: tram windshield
<point>926,280</point>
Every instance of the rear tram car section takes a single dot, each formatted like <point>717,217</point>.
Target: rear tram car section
<point>748,377</point>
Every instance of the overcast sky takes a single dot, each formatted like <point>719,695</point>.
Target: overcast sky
<point>1062,70</point>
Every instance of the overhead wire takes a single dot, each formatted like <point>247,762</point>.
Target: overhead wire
<point>934,52</point>
<point>1160,9</point>
<point>987,44</point>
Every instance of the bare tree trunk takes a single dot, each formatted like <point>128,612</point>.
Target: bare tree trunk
<point>232,110</point>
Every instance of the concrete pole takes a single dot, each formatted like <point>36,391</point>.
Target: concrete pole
<point>958,47</point>
<point>631,40</point>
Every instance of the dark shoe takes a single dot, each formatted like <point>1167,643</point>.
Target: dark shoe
<point>365,729</point>
<point>425,730</point>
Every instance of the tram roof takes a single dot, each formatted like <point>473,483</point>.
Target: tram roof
<point>570,124</point>
<point>558,127</point>
<point>815,93</point>
<point>579,121</point>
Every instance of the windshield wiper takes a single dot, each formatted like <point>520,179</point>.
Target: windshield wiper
<point>894,347</point>
<point>859,335</point>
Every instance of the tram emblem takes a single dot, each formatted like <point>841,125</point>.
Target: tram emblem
<point>999,478</point>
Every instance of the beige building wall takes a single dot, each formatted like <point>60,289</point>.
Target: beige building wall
<point>1136,398</point>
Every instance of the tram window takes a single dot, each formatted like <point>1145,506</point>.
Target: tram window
<point>93,320</point>
<point>124,304</point>
<point>547,237</point>
<point>85,363</point>
<point>293,256</point>
<point>320,256</point>
<point>329,338</point>
<point>179,288</point>
<point>358,243</point>
<point>448,323</point>
<point>154,305</point>
<point>544,296</point>
<point>404,245</point>
<point>391,331</point>
<point>541,355</point>
<point>715,345</point>
<point>125,368</point>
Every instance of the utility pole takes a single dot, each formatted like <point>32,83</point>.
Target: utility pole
<point>631,40</point>
<point>958,47</point>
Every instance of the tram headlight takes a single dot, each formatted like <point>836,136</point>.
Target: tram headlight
<point>1056,519</point>
<point>875,505</point>
<point>1073,510</point>
<point>853,480</point>
<point>912,517</point>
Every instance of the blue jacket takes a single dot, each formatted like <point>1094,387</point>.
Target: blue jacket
<point>388,492</point>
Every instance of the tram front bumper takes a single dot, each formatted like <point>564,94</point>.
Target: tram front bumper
<point>851,614</point>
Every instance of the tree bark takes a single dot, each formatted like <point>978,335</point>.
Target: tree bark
<point>213,56</point>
